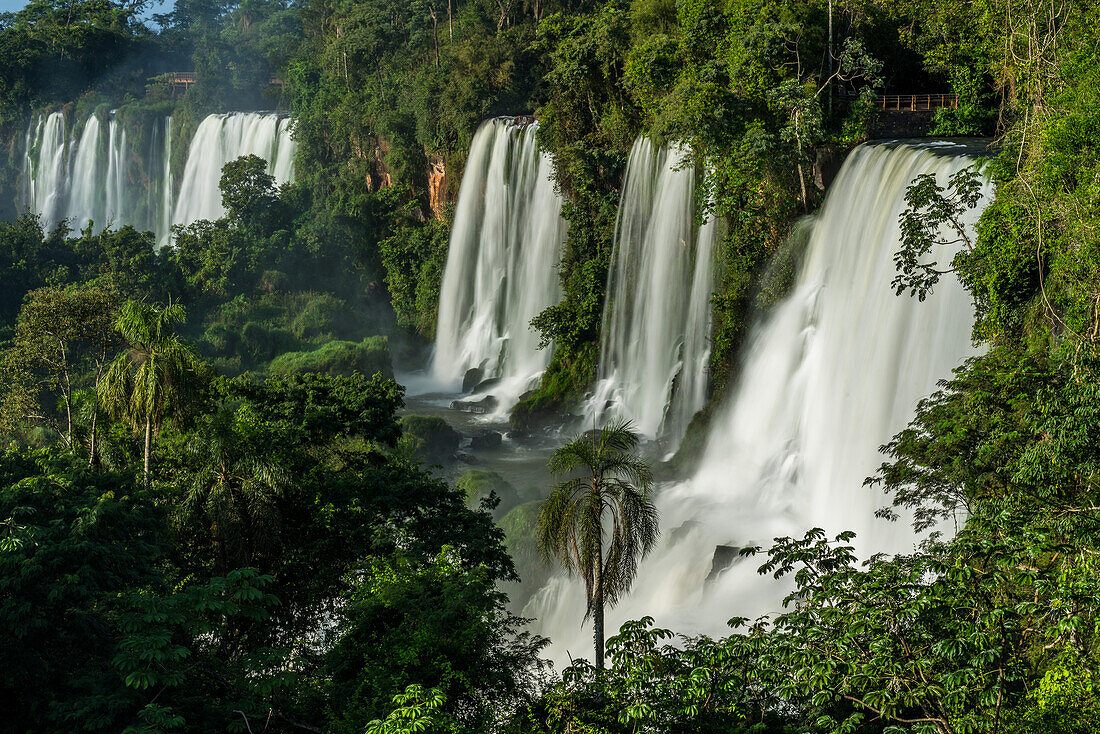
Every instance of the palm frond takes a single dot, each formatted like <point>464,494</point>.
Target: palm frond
<point>601,522</point>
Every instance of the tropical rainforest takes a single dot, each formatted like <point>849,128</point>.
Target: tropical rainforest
<point>216,513</point>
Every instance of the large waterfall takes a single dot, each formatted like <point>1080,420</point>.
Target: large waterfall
<point>94,172</point>
<point>829,375</point>
<point>502,264</point>
<point>656,323</point>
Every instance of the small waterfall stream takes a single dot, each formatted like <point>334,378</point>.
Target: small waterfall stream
<point>829,375</point>
<point>90,173</point>
<point>656,324</point>
<point>501,267</point>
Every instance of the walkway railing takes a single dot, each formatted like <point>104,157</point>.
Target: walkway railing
<point>181,81</point>
<point>916,102</point>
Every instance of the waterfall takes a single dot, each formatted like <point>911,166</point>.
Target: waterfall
<point>86,176</point>
<point>163,206</point>
<point>114,216</point>
<point>829,375</point>
<point>46,186</point>
<point>502,264</point>
<point>656,323</point>
<point>94,175</point>
<point>221,139</point>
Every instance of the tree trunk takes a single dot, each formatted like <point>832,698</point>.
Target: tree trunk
<point>450,24</point>
<point>221,562</point>
<point>798,165</point>
<point>597,624</point>
<point>67,393</point>
<point>92,437</point>
<point>829,78</point>
<point>148,451</point>
<point>67,399</point>
<point>435,33</point>
<point>93,455</point>
<point>597,611</point>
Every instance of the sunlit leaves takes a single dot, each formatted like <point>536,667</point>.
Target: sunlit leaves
<point>934,218</point>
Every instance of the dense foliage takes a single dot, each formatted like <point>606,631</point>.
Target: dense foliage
<point>212,519</point>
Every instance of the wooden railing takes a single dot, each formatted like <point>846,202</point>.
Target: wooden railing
<point>181,81</point>
<point>916,102</point>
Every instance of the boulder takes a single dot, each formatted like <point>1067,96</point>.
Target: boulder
<point>482,406</point>
<point>486,385</point>
<point>487,441</point>
<point>437,185</point>
<point>519,526</point>
<point>477,485</point>
<point>724,557</point>
<point>471,379</point>
<point>429,438</point>
<point>681,531</point>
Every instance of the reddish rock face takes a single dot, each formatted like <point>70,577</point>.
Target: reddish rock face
<point>378,175</point>
<point>381,178</point>
<point>437,185</point>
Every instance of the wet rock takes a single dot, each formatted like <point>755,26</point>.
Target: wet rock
<point>520,538</point>
<point>482,406</point>
<point>724,557</point>
<point>430,438</point>
<point>471,379</point>
<point>467,458</point>
<point>682,531</point>
<point>478,486</point>
<point>487,441</point>
<point>486,385</point>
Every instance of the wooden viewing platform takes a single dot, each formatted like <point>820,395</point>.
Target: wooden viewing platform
<point>181,81</point>
<point>916,102</point>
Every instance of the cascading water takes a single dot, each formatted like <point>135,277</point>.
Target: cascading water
<point>502,264</point>
<point>86,178</point>
<point>164,205</point>
<point>115,213</point>
<point>94,175</point>
<point>829,375</point>
<point>221,139</point>
<point>46,171</point>
<point>656,323</point>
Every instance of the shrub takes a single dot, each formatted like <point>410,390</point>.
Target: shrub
<point>370,356</point>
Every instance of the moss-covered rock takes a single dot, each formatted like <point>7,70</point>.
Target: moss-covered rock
<point>563,386</point>
<point>338,358</point>
<point>429,438</point>
<point>477,484</point>
<point>519,525</point>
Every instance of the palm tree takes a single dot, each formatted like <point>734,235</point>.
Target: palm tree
<point>236,488</point>
<point>601,522</point>
<point>156,378</point>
